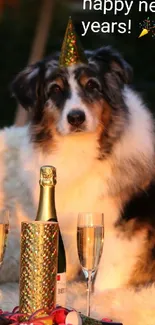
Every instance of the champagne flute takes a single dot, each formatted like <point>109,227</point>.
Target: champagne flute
<point>4,229</point>
<point>90,236</point>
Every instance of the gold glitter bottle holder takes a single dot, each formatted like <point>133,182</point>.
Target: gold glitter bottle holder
<point>38,266</point>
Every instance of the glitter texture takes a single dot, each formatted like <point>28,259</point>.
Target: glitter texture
<point>38,266</point>
<point>72,51</point>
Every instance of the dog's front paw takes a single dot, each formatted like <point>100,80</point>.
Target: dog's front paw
<point>125,306</point>
<point>76,296</point>
<point>103,305</point>
<point>100,302</point>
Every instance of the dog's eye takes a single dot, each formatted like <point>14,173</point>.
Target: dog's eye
<point>92,85</point>
<point>56,89</point>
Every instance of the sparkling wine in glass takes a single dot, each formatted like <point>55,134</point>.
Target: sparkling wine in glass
<point>90,236</point>
<point>4,229</point>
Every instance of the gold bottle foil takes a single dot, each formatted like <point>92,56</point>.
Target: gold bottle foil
<point>46,208</point>
<point>47,176</point>
<point>38,266</point>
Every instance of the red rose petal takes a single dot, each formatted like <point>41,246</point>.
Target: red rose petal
<point>59,316</point>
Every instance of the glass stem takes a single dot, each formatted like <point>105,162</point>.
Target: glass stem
<point>88,292</point>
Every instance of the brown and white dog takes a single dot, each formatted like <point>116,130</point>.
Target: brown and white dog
<point>88,123</point>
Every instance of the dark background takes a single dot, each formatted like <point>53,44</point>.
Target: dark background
<point>17,31</point>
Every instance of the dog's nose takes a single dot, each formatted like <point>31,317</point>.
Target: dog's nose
<point>76,117</point>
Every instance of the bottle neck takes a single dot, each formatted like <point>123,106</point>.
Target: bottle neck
<point>46,209</point>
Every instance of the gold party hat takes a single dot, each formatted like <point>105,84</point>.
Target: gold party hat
<point>144,32</point>
<point>72,51</point>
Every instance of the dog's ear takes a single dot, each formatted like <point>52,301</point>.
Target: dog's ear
<point>25,86</point>
<point>111,61</point>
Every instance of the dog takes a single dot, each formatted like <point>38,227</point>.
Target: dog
<point>88,122</point>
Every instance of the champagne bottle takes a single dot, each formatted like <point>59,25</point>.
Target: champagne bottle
<point>47,212</point>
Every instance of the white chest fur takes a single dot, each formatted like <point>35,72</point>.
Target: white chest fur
<point>82,187</point>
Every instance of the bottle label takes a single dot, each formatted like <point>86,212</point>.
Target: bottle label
<point>61,289</point>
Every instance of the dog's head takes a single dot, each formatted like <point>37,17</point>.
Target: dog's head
<point>80,98</point>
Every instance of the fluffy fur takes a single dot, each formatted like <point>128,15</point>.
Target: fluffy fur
<point>104,164</point>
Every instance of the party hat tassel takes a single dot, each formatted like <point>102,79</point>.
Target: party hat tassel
<point>72,51</point>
